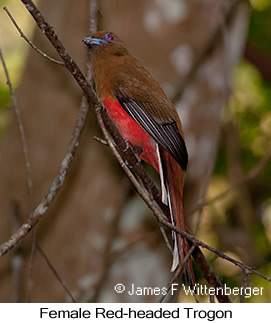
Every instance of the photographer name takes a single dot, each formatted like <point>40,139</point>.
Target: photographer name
<point>204,290</point>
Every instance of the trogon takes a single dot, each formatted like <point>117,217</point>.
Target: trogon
<point>147,119</point>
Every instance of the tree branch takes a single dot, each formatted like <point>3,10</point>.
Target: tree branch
<point>54,188</point>
<point>56,274</point>
<point>51,59</point>
<point>22,133</point>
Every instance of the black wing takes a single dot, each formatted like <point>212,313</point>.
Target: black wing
<point>164,133</point>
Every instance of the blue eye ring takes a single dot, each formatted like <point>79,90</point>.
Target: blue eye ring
<point>109,36</point>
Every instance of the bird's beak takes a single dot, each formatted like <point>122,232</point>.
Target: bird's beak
<point>90,41</point>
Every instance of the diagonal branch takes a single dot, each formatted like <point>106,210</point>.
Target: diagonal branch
<point>56,274</point>
<point>29,41</point>
<point>22,133</point>
<point>57,183</point>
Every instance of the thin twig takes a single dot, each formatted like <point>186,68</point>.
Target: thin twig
<point>51,59</point>
<point>57,183</point>
<point>22,133</point>
<point>56,274</point>
<point>28,171</point>
<point>100,140</point>
<point>162,229</point>
<point>17,214</point>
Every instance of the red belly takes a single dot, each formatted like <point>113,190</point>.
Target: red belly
<point>133,132</point>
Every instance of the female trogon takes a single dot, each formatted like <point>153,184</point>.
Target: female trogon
<point>148,120</point>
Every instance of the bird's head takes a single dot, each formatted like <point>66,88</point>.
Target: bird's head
<point>103,40</point>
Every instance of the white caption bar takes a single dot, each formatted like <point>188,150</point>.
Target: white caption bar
<point>65,312</point>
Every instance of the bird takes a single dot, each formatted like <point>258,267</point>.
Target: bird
<point>148,121</point>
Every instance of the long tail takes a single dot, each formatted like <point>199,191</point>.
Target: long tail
<point>172,181</point>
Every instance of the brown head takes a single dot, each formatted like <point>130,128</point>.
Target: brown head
<point>108,54</point>
<point>105,42</point>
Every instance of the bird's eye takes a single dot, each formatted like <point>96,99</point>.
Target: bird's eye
<point>109,36</point>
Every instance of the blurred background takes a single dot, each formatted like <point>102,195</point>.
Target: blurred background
<point>212,57</point>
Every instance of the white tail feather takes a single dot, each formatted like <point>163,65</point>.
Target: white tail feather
<point>176,258</point>
<point>163,187</point>
<point>167,201</point>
